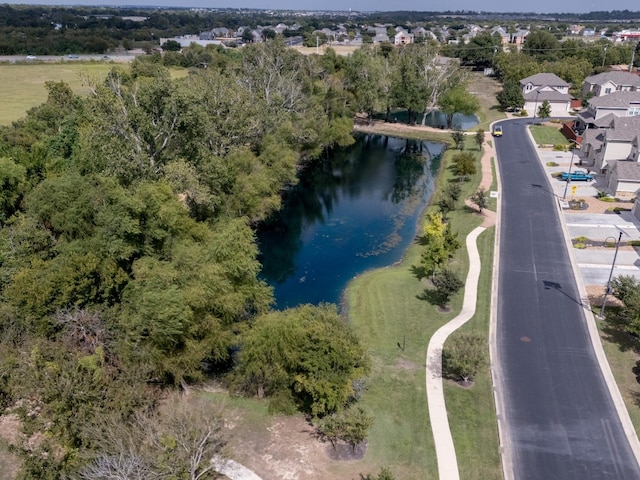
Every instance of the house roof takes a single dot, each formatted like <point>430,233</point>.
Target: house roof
<point>594,137</point>
<point>549,95</point>
<point>628,171</point>
<point>624,128</point>
<point>543,79</point>
<point>606,121</point>
<point>616,99</point>
<point>616,77</point>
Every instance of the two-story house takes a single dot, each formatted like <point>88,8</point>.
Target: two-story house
<point>617,141</point>
<point>608,82</point>
<point>618,103</point>
<point>402,37</point>
<point>546,86</point>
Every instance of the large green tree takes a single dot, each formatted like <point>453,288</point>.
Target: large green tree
<point>542,45</point>
<point>307,355</point>
<point>457,100</point>
<point>481,50</point>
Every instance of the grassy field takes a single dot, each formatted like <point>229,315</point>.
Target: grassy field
<point>486,89</point>
<point>342,50</point>
<point>23,85</point>
<point>548,135</point>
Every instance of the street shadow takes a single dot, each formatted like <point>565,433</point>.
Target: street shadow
<point>544,189</point>
<point>549,285</point>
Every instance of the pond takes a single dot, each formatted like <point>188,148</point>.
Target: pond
<point>353,212</point>
<point>434,119</point>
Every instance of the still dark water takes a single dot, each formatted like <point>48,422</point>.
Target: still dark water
<point>353,212</point>
<point>435,119</point>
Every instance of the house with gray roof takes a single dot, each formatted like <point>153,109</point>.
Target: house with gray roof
<point>608,82</point>
<point>623,178</point>
<point>546,86</point>
<point>618,142</point>
<point>519,37</point>
<point>619,103</point>
<point>504,35</point>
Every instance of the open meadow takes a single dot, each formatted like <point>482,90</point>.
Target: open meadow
<point>23,84</point>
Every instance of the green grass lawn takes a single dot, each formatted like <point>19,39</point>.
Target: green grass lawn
<point>395,324</point>
<point>548,135</point>
<point>622,351</point>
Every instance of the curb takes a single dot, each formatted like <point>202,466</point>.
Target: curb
<point>594,335</point>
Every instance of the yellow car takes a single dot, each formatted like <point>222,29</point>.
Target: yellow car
<point>497,131</point>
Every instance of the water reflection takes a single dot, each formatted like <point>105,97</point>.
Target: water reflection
<point>355,211</point>
<point>435,119</point>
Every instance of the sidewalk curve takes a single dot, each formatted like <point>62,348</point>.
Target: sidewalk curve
<point>445,450</point>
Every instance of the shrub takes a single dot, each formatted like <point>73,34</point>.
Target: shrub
<point>560,147</point>
<point>464,355</point>
<point>581,239</point>
<point>552,164</point>
<point>606,199</point>
<point>634,243</point>
<point>556,174</point>
<point>580,246</point>
<point>523,113</point>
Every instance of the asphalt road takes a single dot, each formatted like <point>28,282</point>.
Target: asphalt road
<point>559,416</point>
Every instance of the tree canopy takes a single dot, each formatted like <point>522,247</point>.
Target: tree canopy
<point>128,257</point>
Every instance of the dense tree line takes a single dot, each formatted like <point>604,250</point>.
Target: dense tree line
<point>128,261</point>
<point>58,30</point>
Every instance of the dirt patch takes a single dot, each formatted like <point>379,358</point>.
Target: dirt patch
<point>595,293</point>
<point>9,435</point>
<point>288,449</point>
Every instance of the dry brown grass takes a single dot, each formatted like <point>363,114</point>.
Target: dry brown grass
<point>342,50</point>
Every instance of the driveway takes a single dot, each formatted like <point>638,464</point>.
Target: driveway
<point>594,263</point>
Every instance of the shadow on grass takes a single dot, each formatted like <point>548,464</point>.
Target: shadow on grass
<point>467,209</point>
<point>615,332</point>
<point>434,298</point>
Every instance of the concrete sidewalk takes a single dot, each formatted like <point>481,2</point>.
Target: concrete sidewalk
<point>445,450</point>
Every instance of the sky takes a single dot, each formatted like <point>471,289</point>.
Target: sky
<point>538,6</point>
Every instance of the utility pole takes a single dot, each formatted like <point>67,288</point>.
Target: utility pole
<point>564,196</point>
<point>613,265</point>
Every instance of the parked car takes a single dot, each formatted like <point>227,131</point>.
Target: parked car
<point>71,55</point>
<point>31,57</point>
<point>497,131</point>
<point>577,176</point>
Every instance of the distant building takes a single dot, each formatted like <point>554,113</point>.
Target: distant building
<point>625,35</point>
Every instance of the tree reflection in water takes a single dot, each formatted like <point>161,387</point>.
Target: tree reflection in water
<point>354,211</point>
